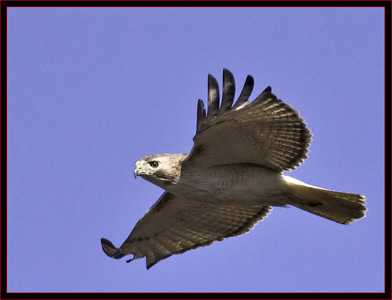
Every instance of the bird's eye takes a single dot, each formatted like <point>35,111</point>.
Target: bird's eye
<point>153,163</point>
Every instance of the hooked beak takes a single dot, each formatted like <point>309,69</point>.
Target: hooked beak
<point>138,169</point>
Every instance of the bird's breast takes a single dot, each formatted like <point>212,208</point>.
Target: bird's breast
<point>234,183</point>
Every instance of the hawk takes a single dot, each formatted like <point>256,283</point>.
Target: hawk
<point>231,177</point>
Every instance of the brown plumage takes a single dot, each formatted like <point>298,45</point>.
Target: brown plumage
<point>231,178</point>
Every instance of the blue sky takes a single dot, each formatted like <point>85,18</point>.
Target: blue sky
<point>91,90</point>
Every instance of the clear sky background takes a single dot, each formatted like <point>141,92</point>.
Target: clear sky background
<point>92,90</point>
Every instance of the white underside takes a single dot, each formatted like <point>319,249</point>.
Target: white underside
<point>234,184</point>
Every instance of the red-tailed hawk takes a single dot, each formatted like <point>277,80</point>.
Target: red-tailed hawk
<point>231,178</point>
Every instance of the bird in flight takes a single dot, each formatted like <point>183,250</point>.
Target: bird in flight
<point>231,177</point>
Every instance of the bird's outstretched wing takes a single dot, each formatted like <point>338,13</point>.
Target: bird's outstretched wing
<point>174,225</point>
<point>265,132</point>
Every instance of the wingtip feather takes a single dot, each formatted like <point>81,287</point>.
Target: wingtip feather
<point>110,250</point>
<point>246,91</point>
<point>213,96</point>
<point>228,91</point>
<point>201,114</point>
<point>268,89</point>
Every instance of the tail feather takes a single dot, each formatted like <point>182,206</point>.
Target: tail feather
<point>340,207</point>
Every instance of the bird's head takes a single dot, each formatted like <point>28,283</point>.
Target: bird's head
<point>160,169</point>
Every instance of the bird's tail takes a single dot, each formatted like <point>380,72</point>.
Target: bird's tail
<point>340,207</point>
